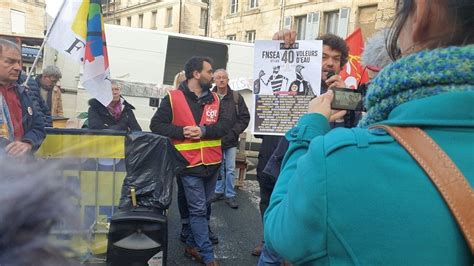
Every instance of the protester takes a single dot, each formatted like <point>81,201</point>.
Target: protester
<point>45,94</point>
<point>357,196</point>
<point>49,91</point>
<point>118,115</point>
<point>21,126</point>
<point>233,103</point>
<point>335,55</point>
<point>192,117</point>
<point>182,204</point>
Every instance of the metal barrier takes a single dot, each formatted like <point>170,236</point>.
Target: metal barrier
<point>93,162</point>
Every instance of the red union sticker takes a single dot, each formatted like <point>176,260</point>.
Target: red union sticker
<point>211,114</point>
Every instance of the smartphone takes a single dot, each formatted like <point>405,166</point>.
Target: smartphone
<point>347,99</point>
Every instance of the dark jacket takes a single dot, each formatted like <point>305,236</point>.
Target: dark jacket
<point>100,118</point>
<point>274,163</point>
<point>33,125</point>
<point>161,124</point>
<point>239,122</point>
<point>267,147</point>
<point>33,89</point>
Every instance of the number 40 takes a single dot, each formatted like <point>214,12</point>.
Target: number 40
<point>288,57</point>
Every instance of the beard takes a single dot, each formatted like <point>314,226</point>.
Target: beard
<point>205,85</point>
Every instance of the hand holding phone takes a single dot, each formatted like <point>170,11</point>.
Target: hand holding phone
<point>322,105</point>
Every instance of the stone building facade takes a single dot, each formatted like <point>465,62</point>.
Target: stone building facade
<point>247,20</point>
<point>181,16</point>
<point>23,22</point>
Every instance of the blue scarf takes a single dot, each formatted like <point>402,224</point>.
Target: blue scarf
<point>423,74</point>
<point>6,126</point>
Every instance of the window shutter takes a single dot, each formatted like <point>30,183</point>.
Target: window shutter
<point>312,25</point>
<point>343,22</point>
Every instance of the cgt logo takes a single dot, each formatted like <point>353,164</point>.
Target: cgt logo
<point>211,114</point>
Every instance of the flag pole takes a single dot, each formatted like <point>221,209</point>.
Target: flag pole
<point>44,42</point>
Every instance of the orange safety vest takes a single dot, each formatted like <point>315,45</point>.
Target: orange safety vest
<point>196,152</point>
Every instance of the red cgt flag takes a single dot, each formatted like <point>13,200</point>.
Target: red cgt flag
<point>353,72</point>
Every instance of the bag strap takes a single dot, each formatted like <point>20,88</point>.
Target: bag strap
<point>235,96</point>
<point>445,175</point>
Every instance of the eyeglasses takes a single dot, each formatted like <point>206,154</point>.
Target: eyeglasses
<point>53,80</point>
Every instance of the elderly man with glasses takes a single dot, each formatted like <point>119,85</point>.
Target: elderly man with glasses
<point>49,90</point>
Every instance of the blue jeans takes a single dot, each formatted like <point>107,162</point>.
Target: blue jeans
<point>198,191</point>
<point>269,257</point>
<point>227,173</point>
<point>183,205</point>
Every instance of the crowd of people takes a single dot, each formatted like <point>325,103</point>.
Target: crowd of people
<point>339,187</point>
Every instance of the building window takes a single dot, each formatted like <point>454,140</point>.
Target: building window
<point>331,19</point>
<point>153,20</point>
<point>312,25</point>
<point>234,6</point>
<point>366,20</point>
<point>140,21</point>
<point>203,21</point>
<point>253,3</point>
<point>287,23</point>
<point>17,21</point>
<point>232,37</point>
<point>300,27</point>
<point>169,17</point>
<point>250,36</point>
<point>129,21</point>
<point>117,22</point>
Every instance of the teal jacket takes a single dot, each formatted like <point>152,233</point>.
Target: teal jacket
<point>356,197</point>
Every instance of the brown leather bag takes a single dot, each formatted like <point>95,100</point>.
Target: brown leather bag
<point>450,182</point>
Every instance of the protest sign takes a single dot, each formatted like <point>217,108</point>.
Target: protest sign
<point>285,80</point>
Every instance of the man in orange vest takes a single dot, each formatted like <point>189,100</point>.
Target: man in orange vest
<point>191,116</point>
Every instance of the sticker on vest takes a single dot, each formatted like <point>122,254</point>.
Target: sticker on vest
<point>211,114</point>
<point>30,110</point>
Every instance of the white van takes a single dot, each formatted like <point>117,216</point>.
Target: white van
<point>147,60</point>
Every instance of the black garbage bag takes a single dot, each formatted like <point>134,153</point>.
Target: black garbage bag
<point>152,162</point>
